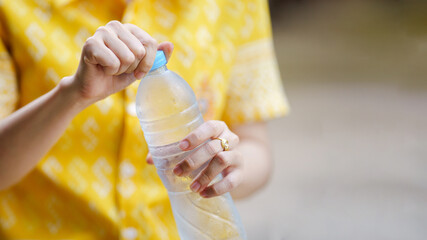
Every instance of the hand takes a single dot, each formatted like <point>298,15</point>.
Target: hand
<point>114,57</point>
<point>229,163</point>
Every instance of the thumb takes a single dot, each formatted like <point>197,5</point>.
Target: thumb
<point>167,48</point>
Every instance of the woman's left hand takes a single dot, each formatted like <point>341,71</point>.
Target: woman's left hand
<point>229,163</point>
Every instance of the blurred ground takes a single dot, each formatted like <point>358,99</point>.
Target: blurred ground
<point>351,158</point>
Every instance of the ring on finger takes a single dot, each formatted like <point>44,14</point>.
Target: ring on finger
<point>224,143</point>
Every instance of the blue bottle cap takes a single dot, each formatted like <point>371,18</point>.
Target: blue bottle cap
<point>159,61</point>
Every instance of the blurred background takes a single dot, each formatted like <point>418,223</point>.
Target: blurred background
<point>351,158</point>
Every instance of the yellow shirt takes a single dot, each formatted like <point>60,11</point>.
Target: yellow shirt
<point>94,183</point>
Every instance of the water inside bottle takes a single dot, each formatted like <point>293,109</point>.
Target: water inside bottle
<point>196,217</point>
<point>168,111</point>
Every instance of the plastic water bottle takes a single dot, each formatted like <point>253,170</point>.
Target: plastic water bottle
<point>168,111</point>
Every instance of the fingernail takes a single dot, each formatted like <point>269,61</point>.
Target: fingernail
<point>204,194</point>
<point>184,144</point>
<point>177,170</point>
<point>195,186</point>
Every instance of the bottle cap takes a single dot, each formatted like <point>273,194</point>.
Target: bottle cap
<point>159,61</point>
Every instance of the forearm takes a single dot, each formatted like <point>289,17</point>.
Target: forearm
<point>255,148</point>
<point>28,134</point>
<point>111,59</point>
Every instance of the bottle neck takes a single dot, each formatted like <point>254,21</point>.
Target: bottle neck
<point>159,70</point>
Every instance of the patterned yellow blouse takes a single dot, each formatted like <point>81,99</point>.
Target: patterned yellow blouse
<point>94,183</point>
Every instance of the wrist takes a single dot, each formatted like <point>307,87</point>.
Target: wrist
<point>71,95</point>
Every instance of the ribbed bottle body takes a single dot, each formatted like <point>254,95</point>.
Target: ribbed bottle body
<point>168,111</point>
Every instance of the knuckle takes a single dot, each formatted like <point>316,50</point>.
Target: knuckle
<point>113,66</point>
<point>142,67</point>
<point>205,177</point>
<point>128,59</point>
<point>196,137</point>
<point>145,68</point>
<point>115,63</point>
<point>220,124</point>
<point>229,184</point>
<point>222,159</point>
<point>114,24</point>
<point>102,30</point>
<point>89,49</point>
<point>139,52</point>
<point>223,125</point>
<point>212,125</point>
<point>93,55</point>
<point>90,43</point>
<point>129,25</point>
<point>210,148</point>
<point>189,163</point>
<point>151,41</point>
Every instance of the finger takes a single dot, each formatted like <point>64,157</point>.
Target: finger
<point>149,158</point>
<point>220,162</point>
<point>134,45</point>
<point>124,80</point>
<point>198,158</point>
<point>204,132</point>
<point>208,130</point>
<point>228,183</point>
<point>119,48</point>
<point>167,48</point>
<point>95,52</point>
<point>150,45</point>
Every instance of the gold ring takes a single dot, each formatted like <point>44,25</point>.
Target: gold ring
<point>224,144</point>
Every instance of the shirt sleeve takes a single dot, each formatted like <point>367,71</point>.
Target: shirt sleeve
<point>255,92</point>
<point>8,80</point>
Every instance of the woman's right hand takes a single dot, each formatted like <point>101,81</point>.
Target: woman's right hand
<point>114,57</point>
